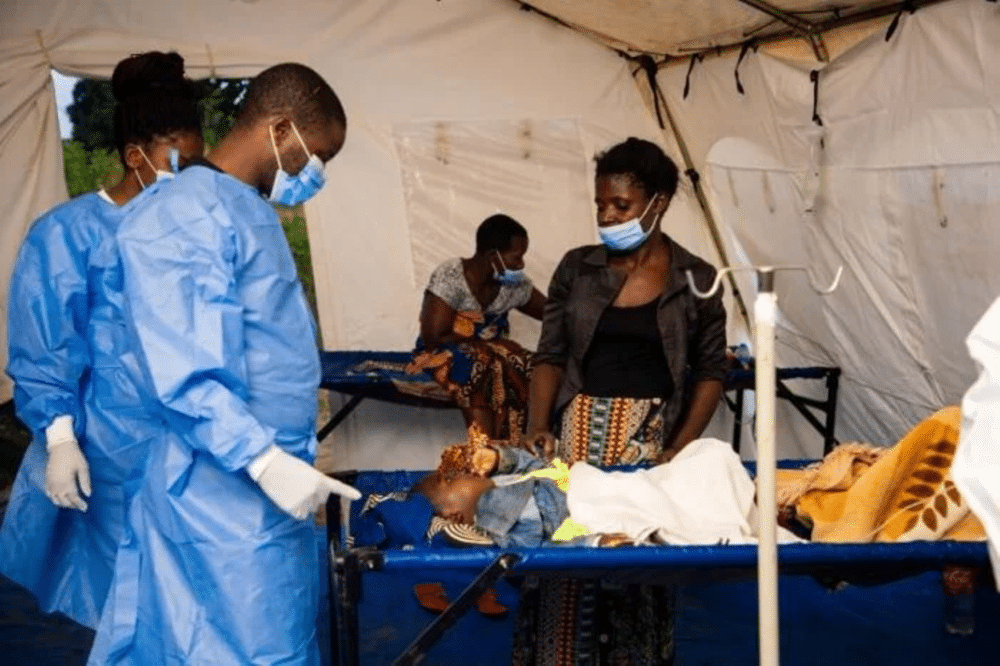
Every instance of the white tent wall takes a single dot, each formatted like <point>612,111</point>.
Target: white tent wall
<point>32,179</point>
<point>898,184</point>
<point>401,68</point>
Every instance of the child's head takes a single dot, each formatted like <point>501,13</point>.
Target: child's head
<point>453,496</point>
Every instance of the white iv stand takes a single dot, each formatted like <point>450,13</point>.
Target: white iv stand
<point>765,313</point>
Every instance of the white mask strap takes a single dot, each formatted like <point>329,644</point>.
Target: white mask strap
<point>502,265</point>
<point>275,145</point>
<point>148,161</point>
<point>648,206</point>
<point>299,136</point>
<point>270,132</point>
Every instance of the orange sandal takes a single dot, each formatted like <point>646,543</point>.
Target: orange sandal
<point>431,596</point>
<point>488,605</point>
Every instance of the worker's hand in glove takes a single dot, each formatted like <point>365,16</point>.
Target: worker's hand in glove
<point>294,485</point>
<point>67,475</point>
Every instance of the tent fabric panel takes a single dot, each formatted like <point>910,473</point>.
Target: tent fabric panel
<point>872,199</point>
<point>677,27</point>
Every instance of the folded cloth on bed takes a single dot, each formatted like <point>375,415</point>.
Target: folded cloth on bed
<point>904,493</point>
<point>836,472</point>
<point>703,496</point>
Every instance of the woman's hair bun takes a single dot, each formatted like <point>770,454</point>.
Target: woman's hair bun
<point>147,72</point>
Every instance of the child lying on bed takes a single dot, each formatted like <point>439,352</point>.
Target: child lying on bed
<point>489,494</point>
<point>511,498</point>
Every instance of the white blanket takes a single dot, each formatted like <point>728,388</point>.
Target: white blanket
<point>703,496</point>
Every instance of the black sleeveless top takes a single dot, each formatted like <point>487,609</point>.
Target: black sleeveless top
<point>625,358</point>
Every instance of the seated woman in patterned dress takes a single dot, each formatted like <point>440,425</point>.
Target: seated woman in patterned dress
<point>464,329</point>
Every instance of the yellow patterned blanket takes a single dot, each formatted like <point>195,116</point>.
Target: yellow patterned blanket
<point>861,493</point>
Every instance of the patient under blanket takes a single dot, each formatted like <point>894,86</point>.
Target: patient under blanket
<point>861,493</point>
<point>703,496</point>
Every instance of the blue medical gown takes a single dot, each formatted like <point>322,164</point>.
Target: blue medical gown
<point>68,355</point>
<point>211,571</point>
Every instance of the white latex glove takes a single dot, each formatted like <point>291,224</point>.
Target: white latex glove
<point>294,485</point>
<point>67,474</point>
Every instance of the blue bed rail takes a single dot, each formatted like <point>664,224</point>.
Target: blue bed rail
<point>373,592</point>
<point>381,375</point>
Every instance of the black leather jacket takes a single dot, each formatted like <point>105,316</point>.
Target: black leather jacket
<point>693,330</point>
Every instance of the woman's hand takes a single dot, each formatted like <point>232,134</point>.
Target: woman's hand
<point>541,444</point>
<point>545,381</point>
<point>668,454</point>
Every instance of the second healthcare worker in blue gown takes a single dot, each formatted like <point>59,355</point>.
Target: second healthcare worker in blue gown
<point>68,352</point>
<point>219,565</point>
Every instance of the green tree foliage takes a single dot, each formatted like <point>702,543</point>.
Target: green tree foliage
<point>220,105</point>
<point>88,170</point>
<point>92,114</point>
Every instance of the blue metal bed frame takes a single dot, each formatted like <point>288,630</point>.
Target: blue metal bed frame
<point>370,374</point>
<point>862,563</point>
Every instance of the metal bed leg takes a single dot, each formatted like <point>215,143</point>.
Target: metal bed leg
<point>333,584</point>
<point>738,420</point>
<point>801,405</point>
<point>347,610</point>
<point>832,385</point>
<point>433,632</point>
<point>344,582</point>
<point>337,418</point>
<point>345,646</point>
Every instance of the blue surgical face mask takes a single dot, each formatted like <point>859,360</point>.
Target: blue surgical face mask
<point>627,236</point>
<point>507,276</point>
<point>292,190</point>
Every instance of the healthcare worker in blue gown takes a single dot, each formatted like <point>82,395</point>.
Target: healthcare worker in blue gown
<point>68,354</point>
<point>219,565</point>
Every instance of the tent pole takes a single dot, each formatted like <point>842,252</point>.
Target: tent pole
<point>765,316</point>
<point>808,30</point>
<point>839,21</point>
<point>650,67</point>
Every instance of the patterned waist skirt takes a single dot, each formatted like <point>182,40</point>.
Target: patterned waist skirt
<point>611,431</point>
<point>574,622</point>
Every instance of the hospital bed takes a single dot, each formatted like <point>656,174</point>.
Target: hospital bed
<point>893,599</point>
<point>381,375</point>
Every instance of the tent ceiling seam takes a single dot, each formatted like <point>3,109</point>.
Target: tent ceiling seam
<point>803,26</point>
<point>593,34</point>
<point>810,30</point>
